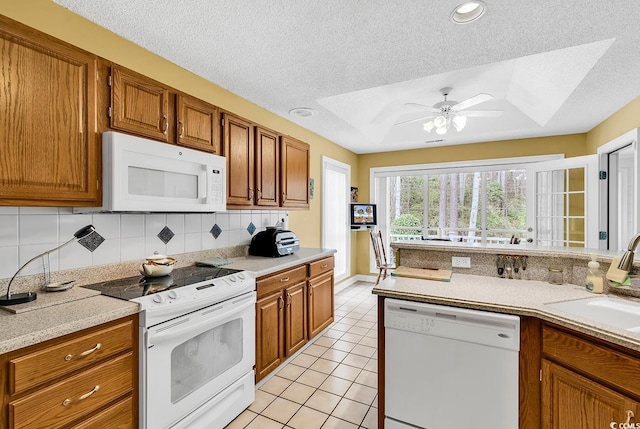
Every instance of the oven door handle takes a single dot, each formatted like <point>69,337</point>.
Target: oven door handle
<point>179,329</point>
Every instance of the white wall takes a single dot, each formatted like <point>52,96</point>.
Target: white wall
<point>28,231</point>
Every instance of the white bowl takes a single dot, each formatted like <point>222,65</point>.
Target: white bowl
<point>155,270</point>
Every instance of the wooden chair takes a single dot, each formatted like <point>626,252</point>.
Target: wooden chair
<point>381,257</point>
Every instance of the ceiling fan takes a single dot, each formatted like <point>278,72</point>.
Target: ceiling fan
<point>449,114</point>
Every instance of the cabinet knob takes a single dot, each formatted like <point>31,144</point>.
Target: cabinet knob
<point>250,194</point>
<point>284,279</point>
<point>180,129</point>
<point>85,353</point>
<point>280,303</point>
<point>324,265</point>
<point>164,121</point>
<point>284,197</point>
<point>630,416</point>
<point>69,401</point>
<point>288,299</point>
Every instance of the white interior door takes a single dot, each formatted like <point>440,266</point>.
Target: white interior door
<point>619,202</point>
<point>562,202</point>
<point>336,231</point>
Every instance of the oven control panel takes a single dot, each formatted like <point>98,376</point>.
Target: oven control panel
<point>168,304</point>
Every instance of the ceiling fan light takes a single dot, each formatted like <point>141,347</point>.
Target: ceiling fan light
<point>428,126</point>
<point>459,122</point>
<point>440,122</point>
<point>441,130</point>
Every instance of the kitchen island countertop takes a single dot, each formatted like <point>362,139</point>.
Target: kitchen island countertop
<point>519,297</point>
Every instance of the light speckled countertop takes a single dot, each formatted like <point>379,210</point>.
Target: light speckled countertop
<point>513,249</point>
<point>261,266</point>
<point>32,327</point>
<point>520,297</point>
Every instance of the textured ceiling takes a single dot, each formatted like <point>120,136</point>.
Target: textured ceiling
<point>554,67</point>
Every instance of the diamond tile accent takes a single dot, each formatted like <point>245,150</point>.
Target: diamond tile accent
<point>216,231</point>
<point>251,228</point>
<point>92,241</point>
<point>166,235</point>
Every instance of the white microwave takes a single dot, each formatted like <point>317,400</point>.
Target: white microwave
<point>141,175</point>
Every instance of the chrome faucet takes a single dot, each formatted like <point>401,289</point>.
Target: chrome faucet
<point>626,262</point>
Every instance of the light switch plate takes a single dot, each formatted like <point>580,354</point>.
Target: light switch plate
<point>461,262</point>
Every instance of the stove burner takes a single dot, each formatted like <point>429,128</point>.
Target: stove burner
<point>137,286</point>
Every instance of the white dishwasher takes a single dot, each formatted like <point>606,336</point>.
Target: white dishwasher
<point>449,367</point>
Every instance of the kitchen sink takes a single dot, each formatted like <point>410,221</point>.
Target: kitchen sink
<point>610,311</point>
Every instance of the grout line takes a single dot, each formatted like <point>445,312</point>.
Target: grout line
<point>362,295</point>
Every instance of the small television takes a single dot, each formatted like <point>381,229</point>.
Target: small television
<point>362,215</point>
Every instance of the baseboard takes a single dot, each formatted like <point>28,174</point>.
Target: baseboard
<point>352,280</point>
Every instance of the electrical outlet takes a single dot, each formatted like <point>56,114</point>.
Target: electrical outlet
<point>460,262</point>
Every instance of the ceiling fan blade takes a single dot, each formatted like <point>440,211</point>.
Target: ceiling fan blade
<point>422,118</point>
<point>481,113</point>
<point>469,102</point>
<point>423,107</point>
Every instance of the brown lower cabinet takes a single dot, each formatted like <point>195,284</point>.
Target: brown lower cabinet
<point>81,380</point>
<point>291,308</point>
<point>586,382</point>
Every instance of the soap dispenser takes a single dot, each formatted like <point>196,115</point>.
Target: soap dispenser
<point>595,278</point>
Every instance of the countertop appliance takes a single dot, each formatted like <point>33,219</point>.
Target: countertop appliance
<point>447,366</point>
<point>197,345</point>
<point>274,242</point>
<point>142,175</point>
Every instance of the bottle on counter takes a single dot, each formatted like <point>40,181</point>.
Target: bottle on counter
<point>595,277</point>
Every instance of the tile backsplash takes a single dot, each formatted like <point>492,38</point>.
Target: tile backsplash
<point>28,231</point>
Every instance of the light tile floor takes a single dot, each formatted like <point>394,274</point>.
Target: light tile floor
<point>333,383</point>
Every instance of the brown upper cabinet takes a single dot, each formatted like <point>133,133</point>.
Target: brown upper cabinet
<point>139,105</point>
<point>238,149</point>
<point>294,173</point>
<point>197,124</point>
<point>267,162</point>
<point>48,138</point>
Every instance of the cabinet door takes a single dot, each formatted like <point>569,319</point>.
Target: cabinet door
<point>118,416</point>
<point>238,149</point>
<point>295,318</point>
<point>267,167</point>
<point>139,105</point>
<point>269,333</point>
<point>571,401</point>
<point>294,164</point>
<point>48,138</point>
<point>197,124</point>
<point>320,303</point>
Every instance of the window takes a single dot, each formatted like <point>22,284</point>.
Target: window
<point>538,199</point>
<point>472,207</point>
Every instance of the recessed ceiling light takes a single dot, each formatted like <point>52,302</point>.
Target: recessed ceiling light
<point>468,12</point>
<point>303,112</point>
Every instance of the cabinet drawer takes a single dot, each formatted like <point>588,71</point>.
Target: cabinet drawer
<point>43,365</point>
<point>117,416</point>
<point>269,284</point>
<point>74,397</point>
<point>321,266</point>
<point>599,362</point>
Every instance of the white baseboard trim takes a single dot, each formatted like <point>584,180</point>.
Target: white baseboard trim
<point>351,280</point>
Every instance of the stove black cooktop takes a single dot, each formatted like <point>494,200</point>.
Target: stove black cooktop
<point>137,286</point>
